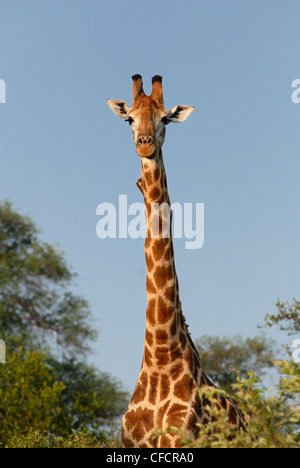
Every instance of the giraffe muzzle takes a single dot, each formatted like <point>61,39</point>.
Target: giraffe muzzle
<point>146,146</point>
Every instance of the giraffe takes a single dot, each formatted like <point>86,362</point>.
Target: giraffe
<point>166,391</point>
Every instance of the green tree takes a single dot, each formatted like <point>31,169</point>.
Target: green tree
<point>91,399</point>
<point>30,398</point>
<point>221,357</point>
<point>35,300</point>
<point>39,310</point>
<point>287,318</point>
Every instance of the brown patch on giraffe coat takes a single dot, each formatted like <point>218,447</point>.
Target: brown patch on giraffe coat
<point>193,363</point>
<point>196,364</point>
<point>158,248</point>
<point>153,388</point>
<point>151,311</point>
<point>176,371</point>
<point>149,262</point>
<point>162,355</point>
<point>141,421</point>
<point>140,390</point>
<point>183,388</point>
<point>175,351</point>
<point>161,337</point>
<point>192,423</point>
<point>165,387</point>
<point>150,286</point>
<point>197,404</point>
<point>127,443</point>
<point>157,174</point>
<point>188,357</point>
<point>149,338</point>
<point>148,177</point>
<point>164,441</point>
<point>170,294</point>
<point>146,165</point>
<point>173,327</point>
<point>195,372</point>
<point>147,357</point>
<point>182,339</point>
<point>165,312</point>
<point>162,275</point>
<point>155,193</point>
<point>176,415</point>
<point>167,254</point>
<point>147,241</point>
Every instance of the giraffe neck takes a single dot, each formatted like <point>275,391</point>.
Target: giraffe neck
<point>165,326</point>
<point>166,391</point>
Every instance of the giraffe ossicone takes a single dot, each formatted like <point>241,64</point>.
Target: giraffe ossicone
<point>166,391</point>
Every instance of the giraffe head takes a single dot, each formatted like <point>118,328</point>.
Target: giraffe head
<point>148,116</point>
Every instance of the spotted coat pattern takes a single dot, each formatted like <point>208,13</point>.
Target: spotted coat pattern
<point>166,392</point>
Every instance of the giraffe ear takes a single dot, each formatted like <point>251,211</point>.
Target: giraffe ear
<point>120,108</point>
<point>180,113</point>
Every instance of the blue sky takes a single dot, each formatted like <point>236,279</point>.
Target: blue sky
<point>62,151</point>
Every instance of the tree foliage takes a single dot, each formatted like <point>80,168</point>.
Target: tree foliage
<point>222,356</point>
<point>287,318</point>
<point>39,391</point>
<point>34,299</point>
<point>91,399</point>
<point>30,399</point>
<point>80,439</point>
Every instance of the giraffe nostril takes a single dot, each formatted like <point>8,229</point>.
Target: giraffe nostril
<point>145,140</point>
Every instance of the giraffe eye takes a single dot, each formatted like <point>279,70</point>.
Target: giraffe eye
<point>129,120</point>
<point>165,120</point>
